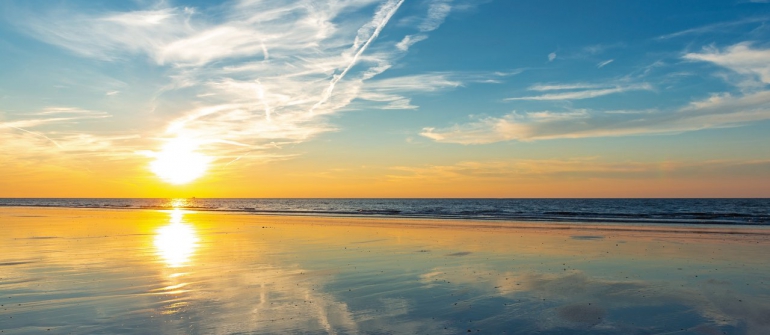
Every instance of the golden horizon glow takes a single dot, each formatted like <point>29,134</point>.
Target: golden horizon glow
<point>179,163</point>
<point>176,242</point>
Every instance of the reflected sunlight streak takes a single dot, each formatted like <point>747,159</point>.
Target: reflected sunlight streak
<point>176,242</point>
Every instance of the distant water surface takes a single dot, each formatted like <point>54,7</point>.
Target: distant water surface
<point>660,211</point>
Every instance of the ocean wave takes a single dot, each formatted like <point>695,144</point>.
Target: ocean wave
<point>631,211</point>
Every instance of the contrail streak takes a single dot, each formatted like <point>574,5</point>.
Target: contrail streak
<point>238,158</point>
<point>261,96</point>
<point>38,134</point>
<point>264,51</point>
<point>391,9</point>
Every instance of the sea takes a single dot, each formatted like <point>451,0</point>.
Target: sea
<point>631,211</point>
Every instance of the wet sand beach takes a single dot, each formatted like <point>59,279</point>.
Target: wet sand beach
<point>93,271</point>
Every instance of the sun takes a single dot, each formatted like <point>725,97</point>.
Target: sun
<point>178,162</point>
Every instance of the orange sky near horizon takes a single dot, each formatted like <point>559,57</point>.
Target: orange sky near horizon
<point>300,178</point>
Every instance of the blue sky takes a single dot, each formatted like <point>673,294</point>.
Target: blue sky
<point>442,89</point>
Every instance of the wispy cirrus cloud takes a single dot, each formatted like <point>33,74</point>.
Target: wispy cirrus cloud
<point>366,35</point>
<point>52,115</point>
<point>40,136</point>
<point>562,87</point>
<point>718,110</point>
<point>580,91</point>
<point>741,58</point>
<point>256,74</point>
<point>604,63</point>
<point>410,40</point>
<point>394,91</point>
<point>577,167</point>
<point>438,10</point>
<point>716,27</point>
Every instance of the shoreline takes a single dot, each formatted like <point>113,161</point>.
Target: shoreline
<point>647,212</point>
<point>445,223</point>
<point>593,221</point>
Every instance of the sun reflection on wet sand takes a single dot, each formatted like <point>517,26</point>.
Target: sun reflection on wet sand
<point>177,241</point>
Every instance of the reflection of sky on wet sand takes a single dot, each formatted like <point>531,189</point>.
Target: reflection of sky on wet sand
<point>170,272</point>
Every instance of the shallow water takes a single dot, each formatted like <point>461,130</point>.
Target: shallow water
<point>87,271</point>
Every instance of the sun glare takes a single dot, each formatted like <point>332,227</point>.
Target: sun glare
<point>178,162</point>
<point>177,241</point>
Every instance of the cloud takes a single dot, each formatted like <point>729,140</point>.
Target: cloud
<point>430,82</point>
<point>718,110</point>
<point>580,167</point>
<point>560,87</point>
<point>583,91</point>
<point>741,58</point>
<point>368,32</point>
<point>106,37</point>
<point>517,169</point>
<point>258,75</point>
<point>51,140</point>
<point>393,91</point>
<point>598,48</point>
<point>604,63</point>
<point>410,40</point>
<point>30,149</point>
<point>52,115</point>
<point>551,56</point>
<point>438,10</point>
<point>716,27</point>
